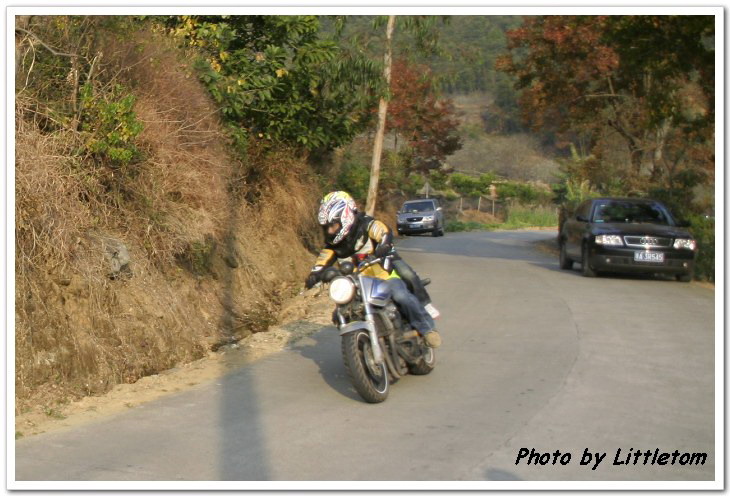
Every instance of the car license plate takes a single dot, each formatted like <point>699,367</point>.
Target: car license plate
<point>649,256</point>
<point>415,226</point>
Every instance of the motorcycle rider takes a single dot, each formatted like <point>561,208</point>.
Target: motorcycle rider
<point>351,234</point>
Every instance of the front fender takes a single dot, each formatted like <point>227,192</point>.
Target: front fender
<point>356,326</point>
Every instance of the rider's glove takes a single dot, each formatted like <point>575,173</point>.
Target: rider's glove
<point>312,279</point>
<point>382,250</point>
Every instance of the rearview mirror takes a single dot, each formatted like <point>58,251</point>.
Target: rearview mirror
<point>347,268</point>
<point>329,274</point>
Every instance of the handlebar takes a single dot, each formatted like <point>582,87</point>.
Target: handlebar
<point>372,261</point>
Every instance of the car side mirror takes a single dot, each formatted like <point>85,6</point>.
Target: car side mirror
<point>439,209</point>
<point>581,218</point>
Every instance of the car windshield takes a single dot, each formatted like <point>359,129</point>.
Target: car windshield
<point>424,206</point>
<point>631,212</point>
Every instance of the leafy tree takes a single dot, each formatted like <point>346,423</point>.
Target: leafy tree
<point>647,80</point>
<point>428,125</point>
<point>426,40</point>
<point>276,79</point>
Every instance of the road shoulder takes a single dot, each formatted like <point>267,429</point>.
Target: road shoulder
<point>300,317</point>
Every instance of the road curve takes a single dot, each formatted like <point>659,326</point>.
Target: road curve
<point>533,357</point>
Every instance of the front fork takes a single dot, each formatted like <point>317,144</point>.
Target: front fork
<point>372,329</point>
<point>374,341</point>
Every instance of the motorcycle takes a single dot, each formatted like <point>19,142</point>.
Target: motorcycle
<point>378,345</point>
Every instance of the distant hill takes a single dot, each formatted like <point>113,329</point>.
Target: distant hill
<point>516,156</point>
<point>494,138</point>
<point>469,46</point>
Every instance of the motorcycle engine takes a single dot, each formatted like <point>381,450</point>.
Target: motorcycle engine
<point>392,312</point>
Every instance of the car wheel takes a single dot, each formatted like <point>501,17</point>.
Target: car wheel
<point>565,262</point>
<point>587,270</point>
<point>435,232</point>
<point>684,277</point>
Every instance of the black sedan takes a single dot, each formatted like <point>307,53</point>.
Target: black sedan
<point>626,235</point>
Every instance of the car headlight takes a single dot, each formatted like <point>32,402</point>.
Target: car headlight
<point>609,239</point>
<point>342,290</point>
<point>687,244</point>
<point>428,218</point>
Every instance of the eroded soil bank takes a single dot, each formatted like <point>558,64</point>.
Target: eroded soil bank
<point>299,317</point>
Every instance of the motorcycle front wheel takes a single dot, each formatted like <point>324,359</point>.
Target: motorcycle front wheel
<point>370,379</point>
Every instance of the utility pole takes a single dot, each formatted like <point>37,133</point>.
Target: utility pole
<point>380,133</point>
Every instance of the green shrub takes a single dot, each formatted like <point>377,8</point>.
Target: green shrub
<point>703,229</point>
<point>110,125</point>
<point>459,226</point>
<point>412,184</point>
<point>524,193</point>
<point>355,179</point>
<point>521,216</point>
<point>198,258</point>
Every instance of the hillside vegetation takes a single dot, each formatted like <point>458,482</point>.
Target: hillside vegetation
<point>142,239</point>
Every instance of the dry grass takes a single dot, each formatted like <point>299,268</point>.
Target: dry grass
<point>78,332</point>
<point>207,266</point>
<point>477,216</point>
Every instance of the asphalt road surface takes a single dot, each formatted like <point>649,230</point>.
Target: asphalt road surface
<point>533,358</point>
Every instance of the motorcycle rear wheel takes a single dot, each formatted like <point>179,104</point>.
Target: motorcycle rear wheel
<point>370,379</point>
<point>426,364</point>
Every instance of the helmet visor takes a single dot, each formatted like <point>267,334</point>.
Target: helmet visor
<point>331,230</point>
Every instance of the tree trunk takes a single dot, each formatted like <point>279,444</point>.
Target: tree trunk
<point>380,133</point>
<point>20,22</point>
<point>661,139</point>
<point>635,152</point>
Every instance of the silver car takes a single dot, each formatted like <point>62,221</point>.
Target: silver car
<point>421,216</point>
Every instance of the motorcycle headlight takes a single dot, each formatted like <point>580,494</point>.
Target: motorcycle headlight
<point>688,244</point>
<point>609,239</point>
<point>342,290</point>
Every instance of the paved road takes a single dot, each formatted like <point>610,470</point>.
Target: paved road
<point>533,357</point>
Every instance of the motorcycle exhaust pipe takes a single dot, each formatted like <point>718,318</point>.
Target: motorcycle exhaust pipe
<point>391,365</point>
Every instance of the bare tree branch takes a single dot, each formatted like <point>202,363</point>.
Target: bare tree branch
<point>45,45</point>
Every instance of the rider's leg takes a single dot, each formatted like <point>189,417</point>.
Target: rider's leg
<point>410,277</point>
<point>414,283</point>
<point>414,312</point>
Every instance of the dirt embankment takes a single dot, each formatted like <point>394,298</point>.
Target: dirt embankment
<point>299,317</point>
<point>125,272</point>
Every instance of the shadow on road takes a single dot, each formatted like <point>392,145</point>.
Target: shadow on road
<point>495,474</point>
<point>243,455</point>
<point>323,348</point>
<point>575,272</point>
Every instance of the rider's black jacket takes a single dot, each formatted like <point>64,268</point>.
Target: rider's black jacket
<point>368,237</point>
